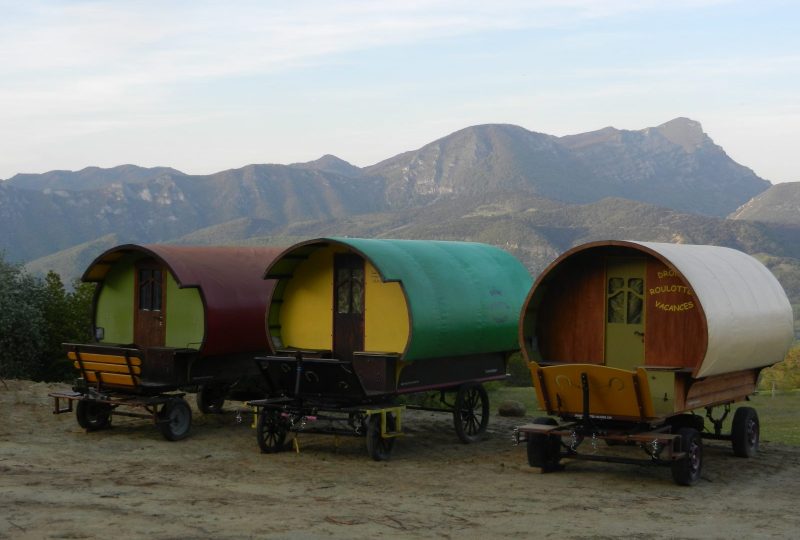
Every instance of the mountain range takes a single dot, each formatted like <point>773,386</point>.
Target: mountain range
<point>533,194</point>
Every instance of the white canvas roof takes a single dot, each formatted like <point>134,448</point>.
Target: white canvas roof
<point>749,317</point>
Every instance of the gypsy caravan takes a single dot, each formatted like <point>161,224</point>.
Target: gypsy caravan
<point>355,323</point>
<point>167,317</point>
<point>626,339</point>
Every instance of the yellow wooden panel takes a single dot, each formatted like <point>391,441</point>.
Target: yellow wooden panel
<point>386,325</point>
<point>306,315</point>
<point>612,393</point>
<point>105,358</point>
<point>107,368</point>
<point>112,378</point>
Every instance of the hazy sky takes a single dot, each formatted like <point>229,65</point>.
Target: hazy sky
<point>207,86</point>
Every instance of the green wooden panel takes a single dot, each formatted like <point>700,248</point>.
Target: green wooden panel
<point>115,302</point>
<point>185,317</point>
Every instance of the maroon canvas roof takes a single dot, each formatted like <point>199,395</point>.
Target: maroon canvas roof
<point>230,282</point>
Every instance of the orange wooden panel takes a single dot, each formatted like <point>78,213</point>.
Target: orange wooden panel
<point>108,368</point>
<point>104,358</point>
<point>113,378</point>
<point>612,391</point>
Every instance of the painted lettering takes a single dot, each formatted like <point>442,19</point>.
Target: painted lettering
<point>665,289</point>
<point>686,306</point>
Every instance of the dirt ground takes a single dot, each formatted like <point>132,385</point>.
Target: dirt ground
<point>57,481</point>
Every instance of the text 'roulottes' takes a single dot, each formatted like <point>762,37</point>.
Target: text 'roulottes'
<point>626,339</point>
<point>168,317</point>
<point>356,322</point>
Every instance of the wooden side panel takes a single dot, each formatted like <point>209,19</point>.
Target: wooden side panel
<point>570,321</point>
<point>675,333</point>
<point>720,389</point>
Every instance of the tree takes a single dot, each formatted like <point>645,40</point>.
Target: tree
<point>22,326</point>
<point>36,317</point>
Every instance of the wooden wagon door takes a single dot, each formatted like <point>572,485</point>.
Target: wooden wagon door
<point>348,305</point>
<point>625,312</point>
<point>150,300</point>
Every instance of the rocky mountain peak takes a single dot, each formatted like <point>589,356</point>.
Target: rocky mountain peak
<point>332,164</point>
<point>683,132</point>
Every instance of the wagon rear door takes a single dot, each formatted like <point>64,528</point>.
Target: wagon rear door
<point>348,305</point>
<point>150,299</point>
<point>625,312</point>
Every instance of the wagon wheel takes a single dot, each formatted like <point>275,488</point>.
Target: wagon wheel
<point>271,431</point>
<point>471,412</point>
<point>175,419</point>
<point>544,451</point>
<point>92,415</point>
<point>745,432</point>
<point>210,399</point>
<point>686,471</point>
<point>379,448</point>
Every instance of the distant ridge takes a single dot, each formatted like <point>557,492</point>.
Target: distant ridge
<point>674,165</point>
<point>89,178</point>
<point>778,204</point>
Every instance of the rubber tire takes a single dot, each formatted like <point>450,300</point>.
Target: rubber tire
<point>175,419</point>
<point>379,448</point>
<point>544,451</point>
<point>210,399</point>
<point>271,431</point>
<point>92,415</point>
<point>745,432</point>
<point>687,471</point>
<point>470,424</point>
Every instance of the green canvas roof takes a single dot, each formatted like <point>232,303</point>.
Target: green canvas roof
<point>463,297</point>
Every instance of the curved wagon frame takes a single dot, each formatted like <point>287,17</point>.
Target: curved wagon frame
<point>167,318</point>
<point>626,340</point>
<point>356,323</point>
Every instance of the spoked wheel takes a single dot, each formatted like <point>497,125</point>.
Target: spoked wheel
<point>92,415</point>
<point>686,471</point>
<point>471,412</point>
<point>745,432</point>
<point>175,419</point>
<point>210,399</point>
<point>544,451</point>
<point>379,448</point>
<point>271,431</point>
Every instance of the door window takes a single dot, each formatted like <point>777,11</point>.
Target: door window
<point>149,289</point>
<point>625,300</point>
<point>350,290</point>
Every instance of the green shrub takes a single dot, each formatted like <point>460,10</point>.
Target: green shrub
<point>784,375</point>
